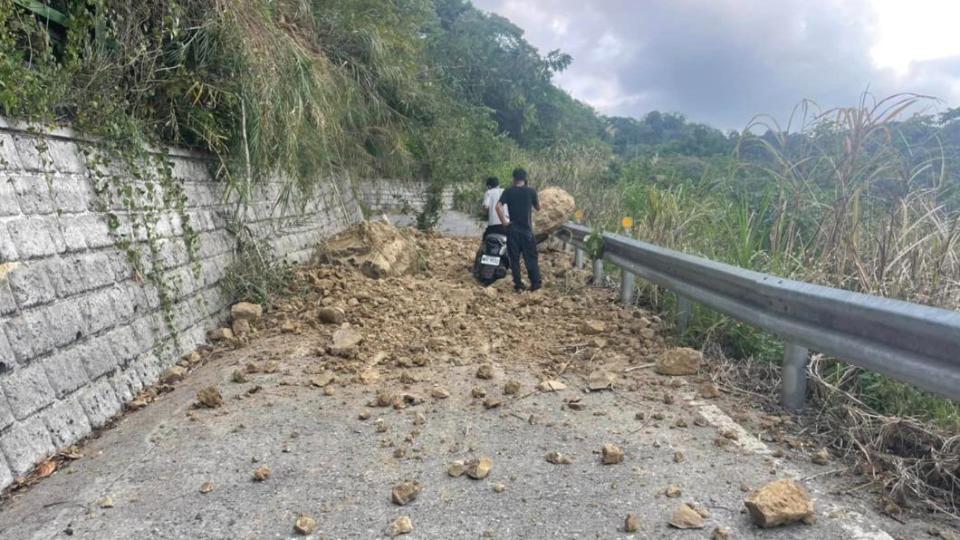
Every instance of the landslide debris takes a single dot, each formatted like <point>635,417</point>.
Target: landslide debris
<point>779,503</point>
<point>556,207</point>
<point>376,248</point>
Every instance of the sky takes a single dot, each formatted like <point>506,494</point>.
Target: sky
<point>723,61</point>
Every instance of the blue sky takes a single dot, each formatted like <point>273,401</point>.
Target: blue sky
<point>723,61</point>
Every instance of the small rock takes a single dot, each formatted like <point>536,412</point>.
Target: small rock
<point>439,392</point>
<point>599,380</point>
<point>679,361</point>
<point>238,376</point>
<point>457,468</point>
<point>672,491</point>
<point>241,328</point>
<point>558,459</point>
<point>172,375</point>
<point>345,342</point>
<point>401,525</point>
<point>679,457</point>
<point>680,423</point>
<point>631,524</point>
<point>551,386</point>
<point>709,391</point>
<point>405,492</point>
<point>485,371</point>
<point>246,311</point>
<point>220,334</point>
<point>722,533</point>
<point>369,375</point>
<point>511,388</point>
<point>479,468</point>
<point>779,503</point>
<point>822,457</point>
<point>261,474</point>
<point>206,487</point>
<point>700,509</point>
<point>685,517</point>
<point>492,403</point>
<point>611,454</point>
<point>210,397</point>
<point>419,419</point>
<point>590,327</point>
<point>331,315</point>
<point>305,525</point>
<point>478,392</point>
<point>106,502</point>
<point>322,380</point>
<point>499,487</point>
<point>668,398</point>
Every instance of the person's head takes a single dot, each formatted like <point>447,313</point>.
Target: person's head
<point>519,176</point>
<point>492,182</point>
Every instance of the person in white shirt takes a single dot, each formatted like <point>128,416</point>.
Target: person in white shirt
<point>490,200</point>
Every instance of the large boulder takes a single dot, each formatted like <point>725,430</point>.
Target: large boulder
<point>679,361</point>
<point>377,248</point>
<point>556,208</point>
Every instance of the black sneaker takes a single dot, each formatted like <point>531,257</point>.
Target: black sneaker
<point>519,288</point>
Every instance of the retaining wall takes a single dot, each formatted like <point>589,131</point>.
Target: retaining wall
<point>79,334</point>
<point>395,196</point>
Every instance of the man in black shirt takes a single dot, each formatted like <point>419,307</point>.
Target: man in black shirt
<point>520,200</point>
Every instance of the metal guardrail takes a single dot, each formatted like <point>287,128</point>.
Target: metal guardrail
<point>909,342</point>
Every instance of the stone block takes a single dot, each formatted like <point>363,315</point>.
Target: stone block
<point>99,402</point>
<point>31,283</point>
<point>65,369</point>
<point>8,251</point>
<point>66,323</point>
<point>147,368</point>
<point>93,227</point>
<point>123,342</point>
<point>6,476</point>
<point>28,334</point>
<point>27,390</point>
<point>73,237</point>
<point>66,422</point>
<point>9,205</point>
<point>33,193</point>
<point>126,384</point>
<point>33,237</point>
<point>65,157</point>
<point>7,303</point>
<point>32,152</point>
<point>25,444</point>
<point>97,311</point>
<point>9,158</point>
<point>97,356</point>
<point>6,416</point>
<point>72,195</point>
<point>123,304</point>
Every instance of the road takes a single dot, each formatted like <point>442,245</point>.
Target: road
<point>312,419</point>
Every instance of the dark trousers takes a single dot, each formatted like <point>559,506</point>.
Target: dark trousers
<point>521,242</point>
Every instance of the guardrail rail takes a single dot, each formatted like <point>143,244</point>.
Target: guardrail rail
<point>909,342</point>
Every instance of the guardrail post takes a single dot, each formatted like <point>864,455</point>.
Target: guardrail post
<point>628,284</point>
<point>794,376</point>
<point>578,257</point>
<point>598,272</point>
<point>684,313</point>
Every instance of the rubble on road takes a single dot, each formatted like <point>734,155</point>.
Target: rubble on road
<point>779,503</point>
<point>685,517</point>
<point>376,248</point>
<point>679,361</point>
<point>405,492</point>
<point>401,525</point>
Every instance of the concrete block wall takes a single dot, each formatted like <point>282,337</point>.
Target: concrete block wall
<point>79,334</point>
<point>393,196</point>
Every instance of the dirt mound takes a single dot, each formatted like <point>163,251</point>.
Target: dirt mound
<point>556,207</point>
<point>377,248</point>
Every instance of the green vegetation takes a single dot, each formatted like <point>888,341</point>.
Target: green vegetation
<point>866,198</point>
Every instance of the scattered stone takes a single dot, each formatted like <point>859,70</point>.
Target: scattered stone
<point>590,327</point>
<point>369,375</point>
<point>401,525</point>
<point>380,426</point>
<point>779,503</point>
<point>679,457</point>
<point>722,533</point>
<point>730,434</point>
<point>679,361</point>
<point>210,397</point>
<point>478,392</point>
<point>672,491</point>
<point>685,517</point>
<point>419,419</point>
<point>499,487</point>
<point>439,392</point>
<point>631,524</point>
<point>329,391</point>
<point>479,468</point>
<point>600,380</point>
<point>485,371</point>
<point>457,468</point>
<point>220,334</point>
<point>700,509</point>
<point>241,328</point>
<point>345,342</point>
<point>238,376</point>
<point>405,492</point>
<point>680,423</point>
<point>709,391</point>
<point>822,457</point>
<point>611,454</point>
<point>511,388</point>
<point>206,487</point>
<point>331,315</point>
<point>551,386</point>
<point>172,375</point>
<point>322,380</point>
<point>246,311</point>
<point>492,403</point>
<point>106,502</point>
<point>261,474</point>
<point>667,398</point>
<point>558,459</point>
<point>305,525</point>
<point>640,416</point>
